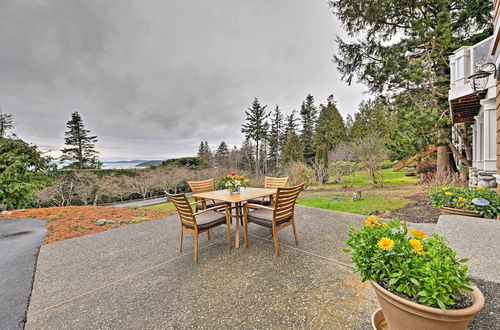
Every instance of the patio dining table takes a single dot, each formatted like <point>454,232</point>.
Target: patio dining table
<point>245,194</point>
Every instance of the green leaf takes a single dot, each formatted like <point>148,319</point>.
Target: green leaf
<point>414,281</point>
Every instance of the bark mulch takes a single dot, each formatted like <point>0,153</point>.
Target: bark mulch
<point>73,221</point>
<point>419,210</point>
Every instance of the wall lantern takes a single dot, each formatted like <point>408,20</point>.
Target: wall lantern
<point>479,79</point>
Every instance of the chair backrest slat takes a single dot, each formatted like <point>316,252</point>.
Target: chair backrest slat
<point>184,209</point>
<point>284,206</point>
<point>271,183</point>
<point>201,186</point>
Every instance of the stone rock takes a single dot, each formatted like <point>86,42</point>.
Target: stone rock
<point>102,222</point>
<point>21,210</point>
<point>5,213</point>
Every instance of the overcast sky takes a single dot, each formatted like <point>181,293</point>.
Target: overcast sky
<point>154,78</point>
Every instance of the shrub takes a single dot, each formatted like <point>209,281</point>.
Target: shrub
<point>386,164</point>
<point>426,166</point>
<point>23,171</point>
<point>299,172</point>
<point>189,162</point>
<point>343,173</point>
<point>461,198</point>
<point>407,263</point>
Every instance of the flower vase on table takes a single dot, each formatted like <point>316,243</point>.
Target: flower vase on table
<point>233,182</point>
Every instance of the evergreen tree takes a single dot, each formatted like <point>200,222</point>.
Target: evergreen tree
<point>373,116</point>
<point>222,154</point>
<point>5,123</point>
<point>201,149</point>
<point>294,149</point>
<point>81,149</point>
<point>291,126</point>
<point>204,151</point>
<point>308,113</point>
<point>276,137</point>
<point>413,66</point>
<point>247,156</point>
<point>256,127</point>
<point>330,128</point>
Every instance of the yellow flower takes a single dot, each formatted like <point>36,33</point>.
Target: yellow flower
<point>448,193</point>
<point>417,233</point>
<point>417,246</point>
<point>386,243</point>
<point>461,199</point>
<point>479,188</point>
<point>371,221</point>
<point>444,188</point>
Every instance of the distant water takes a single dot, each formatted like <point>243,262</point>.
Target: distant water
<point>106,165</point>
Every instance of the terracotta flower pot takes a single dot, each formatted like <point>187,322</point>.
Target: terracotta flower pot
<point>450,210</point>
<point>402,314</point>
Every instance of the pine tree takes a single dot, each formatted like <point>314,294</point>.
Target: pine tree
<point>81,151</point>
<point>247,156</point>
<point>276,137</point>
<point>308,113</point>
<point>5,123</point>
<point>204,151</point>
<point>201,149</point>
<point>413,68</point>
<point>256,127</point>
<point>294,150</point>
<point>291,126</point>
<point>330,128</point>
<point>222,154</point>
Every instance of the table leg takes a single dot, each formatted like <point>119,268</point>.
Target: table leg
<point>237,243</point>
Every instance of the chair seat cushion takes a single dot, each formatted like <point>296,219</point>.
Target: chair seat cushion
<point>210,203</point>
<point>264,218</point>
<point>210,219</point>
<point>266,201</point>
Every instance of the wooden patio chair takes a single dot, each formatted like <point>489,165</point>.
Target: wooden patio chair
<point>281,215</point>
<point>270,183</point>
<point>195,223</point>
<point>201,187</point>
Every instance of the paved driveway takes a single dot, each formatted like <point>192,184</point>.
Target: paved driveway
<point>20,241</point>
<point>135,277</point>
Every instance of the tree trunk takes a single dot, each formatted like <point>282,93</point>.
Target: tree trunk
<point>444,165</point>
<point>257,165</point>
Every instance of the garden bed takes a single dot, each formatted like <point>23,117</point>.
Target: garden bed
<point>74,221</point>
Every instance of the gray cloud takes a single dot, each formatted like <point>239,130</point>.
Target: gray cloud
<point>153,78</point>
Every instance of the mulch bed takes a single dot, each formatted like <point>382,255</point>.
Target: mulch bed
<point>419,210</point>
<point>74,221</point>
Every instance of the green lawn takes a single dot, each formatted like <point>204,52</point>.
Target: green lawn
<point>164,206</point>
<point>363,206</point>
<point>391,179</point>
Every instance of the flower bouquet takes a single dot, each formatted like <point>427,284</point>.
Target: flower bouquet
<point>418,279</point>
<point>233,182</point>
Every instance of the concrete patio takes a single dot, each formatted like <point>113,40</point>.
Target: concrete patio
<point>135,277</point>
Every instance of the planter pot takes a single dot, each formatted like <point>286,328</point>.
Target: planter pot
<point>450,210</point>
<point>402,314</point>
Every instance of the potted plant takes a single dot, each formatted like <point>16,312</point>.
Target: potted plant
<point>233,182</point>
<point>458,200</point>
<point>419,281</point>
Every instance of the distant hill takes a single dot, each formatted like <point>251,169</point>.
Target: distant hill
<point>149,163</point>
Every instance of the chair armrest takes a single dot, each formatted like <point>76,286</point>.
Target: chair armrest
<point>211,209</point>
<point>258,206</point>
